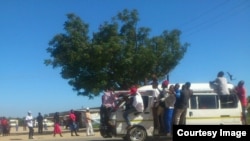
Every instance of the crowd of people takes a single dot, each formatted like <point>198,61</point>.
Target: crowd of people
<point>29,122</point>
<point>169,104</point>
<point>169,107</point>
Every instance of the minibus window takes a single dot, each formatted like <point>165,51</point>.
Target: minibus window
<point>193,102</point>
<point>207,102</point>
<point>228,101</point>
<point>145,101</point>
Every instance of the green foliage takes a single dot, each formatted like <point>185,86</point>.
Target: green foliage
<point>119,53</point>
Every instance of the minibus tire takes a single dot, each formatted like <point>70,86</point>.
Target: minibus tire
<point>136,133</point>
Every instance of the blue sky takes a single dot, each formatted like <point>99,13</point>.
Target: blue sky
<point>218,31</point>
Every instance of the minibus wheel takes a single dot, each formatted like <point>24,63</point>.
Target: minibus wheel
<point>136,133</point>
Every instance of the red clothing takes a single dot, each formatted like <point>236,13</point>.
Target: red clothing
<point>72,117</point>
<point>4,122</point>
<point>57,129</point>
<point>241,92</point>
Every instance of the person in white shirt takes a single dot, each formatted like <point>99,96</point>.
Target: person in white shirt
<point>29,121</point>
<point>129,107</point>
<point>220,84</point>
<point>154,105</point>
<point>88,121</point>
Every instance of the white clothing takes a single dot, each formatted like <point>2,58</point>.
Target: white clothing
<point>154,99</point>
<point>89,129</point>
<point>221,82</point>
<point>138,102</point>
<point>29,120</point>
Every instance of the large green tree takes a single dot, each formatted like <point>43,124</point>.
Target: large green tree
<point>118,54</point>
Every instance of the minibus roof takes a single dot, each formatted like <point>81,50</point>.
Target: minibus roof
<point>196,87</point>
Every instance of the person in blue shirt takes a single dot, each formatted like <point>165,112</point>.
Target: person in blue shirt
<point>182,105</point>
<point>177,90</point>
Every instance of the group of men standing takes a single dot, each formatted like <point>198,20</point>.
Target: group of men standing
<point>169,106</point>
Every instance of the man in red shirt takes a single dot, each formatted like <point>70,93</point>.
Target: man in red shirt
<point>4,123</point>
<point>72,122</point>
<point>241,92</point>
